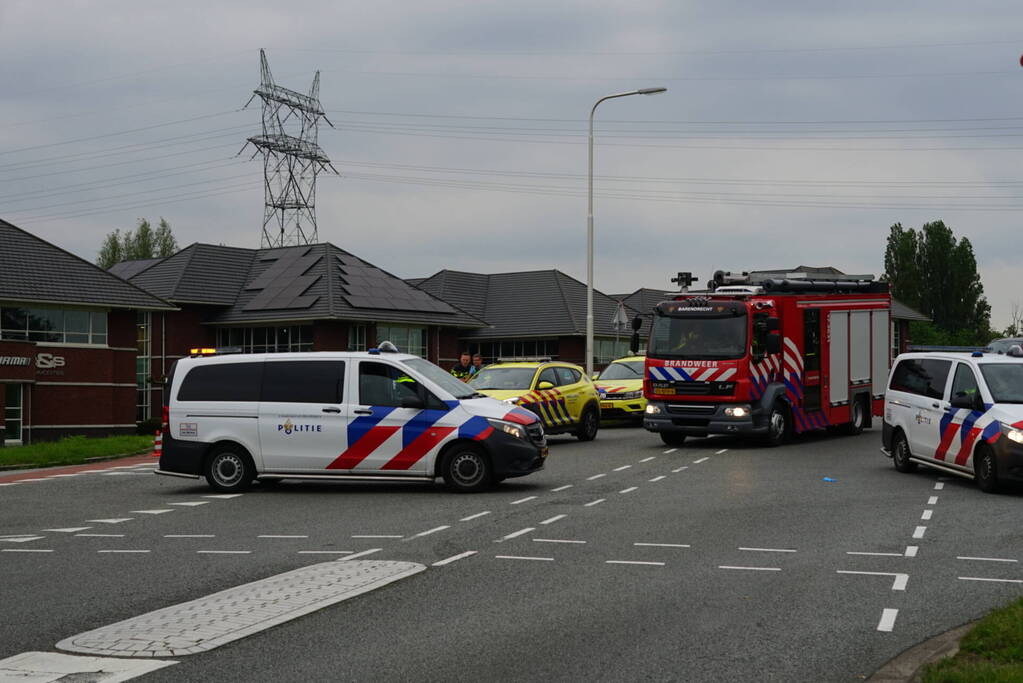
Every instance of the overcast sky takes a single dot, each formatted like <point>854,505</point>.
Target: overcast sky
<point>791,133</point>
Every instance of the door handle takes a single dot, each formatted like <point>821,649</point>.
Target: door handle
<point>935,405</point>
<point>332,410</point>
<point>362,411</point>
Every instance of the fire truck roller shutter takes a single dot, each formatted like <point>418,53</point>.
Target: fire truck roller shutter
<point>838,366</point>
<point>880,334</point>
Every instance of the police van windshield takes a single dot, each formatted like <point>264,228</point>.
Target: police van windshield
<point>456,388</point>
<point>503,378</point>
<point>1004,381</point>
<point>702,338</point>
<point>632,369</point>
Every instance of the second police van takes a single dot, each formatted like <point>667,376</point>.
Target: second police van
<point>376,415</point>
<point>961,413</point>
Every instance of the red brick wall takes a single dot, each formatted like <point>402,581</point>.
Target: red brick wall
<point>330,335</point>
<point>572,350</point>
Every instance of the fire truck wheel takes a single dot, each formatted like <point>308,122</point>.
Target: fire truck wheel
<point>778,424</point>
<point>673,438</point>
<point>229,469</point>
<point>986,473</point>
<point>466,469</point>
<point>588,425</point>
<point>900,454</point>
<point>858,414</point>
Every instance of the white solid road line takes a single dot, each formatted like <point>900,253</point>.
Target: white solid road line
<point>926,515</point>
<point>376,536</point>
<point>325,552</point>
<point>554,540</point>
<point>362,554</point>
<point>697,462</point>
<point>854,552</point>
<point>279,536</point>
<point>769,550</point>
<point>670,451</point>
<point>454,558</point>
<point>887,622</point>
<point>899,584</point>
<point>553,519</point>
<point>520,532</point>
<point>648,459</point>
<point>919,532</point>
<point>520,557</point>
<point>939,486</point>
<point>125,551</point>
<point>522,500</point>
<point>476,516</point>
<point>911,550</point>
<point>100,535</point>
<point>723,450</point>
<point>933,500</point>
<point>679,469</point>
<point>663,545</point>
<point>594,502</point>
<point>428,532</point>
<point>562,488</point>
<point>25,550</point>
<point>224,552</point>
<point>978,578</point>
<point>652,564</point>
<point>596,476</point>
<point>985,559</point>
<point>623,467</point>
<point>752,569</point>
<point>629,490</point>
<point>657,478</point>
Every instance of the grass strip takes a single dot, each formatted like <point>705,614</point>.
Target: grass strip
<point>72,450</point>
<point>992,651</point>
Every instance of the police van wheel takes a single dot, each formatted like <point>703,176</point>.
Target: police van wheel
<point>673,438</point>
<point>900,454</point>
<point>985,471</point>
<point>466,469</point>
<point>777,425</point>
<point>229,469</point>
<point>588,425</point>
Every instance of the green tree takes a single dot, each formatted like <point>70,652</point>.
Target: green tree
<point>141,243</point>
<point>936,273</point>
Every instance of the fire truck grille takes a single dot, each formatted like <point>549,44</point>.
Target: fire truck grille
<point>689,410</point>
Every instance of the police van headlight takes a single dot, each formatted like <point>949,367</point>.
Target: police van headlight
<point>653,409</point>
<point>510,428</point>
<point>1013,434</point>
<point>738,411</point>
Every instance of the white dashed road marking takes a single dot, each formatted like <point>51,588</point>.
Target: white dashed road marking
<point>899,584</point>
<point>454,558</point>
<point>152,512</point>
<point>986,559</point>
<point>596,476</point>
<point>679,469</point>
<point>362,554</point>
<point>697,462</point>
<point>670,451</point>
<point>562,488</point>
<point>648,459</point>
<point>523,500</point>
<point>554,540</point>
<point>926,515</point>
<point>191,503</point>
<point>911,550</point>
<point>769,550</point>
<point>520,532</point>
<point>933,500</point>
<point>723,450</point>
<point>19,539</point>
<point>25,550</point>
<point>658,478</point>
<point>594,502</point>
<point>977,578</point>
<point>939,486</point>
<point>553,519</point>
<point>752,569</point>
<point>279,536</point>
<point>325,552</point>
<point>192,536</point>
<point>70,529</point>
<point>126,552</point>
<point>428,532</point>
<point>623,467</point>
<point>854,552</point>
<point>919,532</point>
<point>887,622</point>
<point>520,557</point>
<point>663,545</point>
<point>223,552</point>
<point>375,536</point>
<point>629,490</point>
<point>100,535</point>
<point>652,564</point>
<point>476,516</point>
<point>112,520</point>
<point>223,496</point>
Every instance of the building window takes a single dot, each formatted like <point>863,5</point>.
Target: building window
<point>14,411</point>
<point>276,339</point>
<point>54,325</point>
<point>143,356</point>
<point>607,350</point>
<point>408,338</point>
<point>356,337</point>
<point>492,351</point>
<point>896,338</point>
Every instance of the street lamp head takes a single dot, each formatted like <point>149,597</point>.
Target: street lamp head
<point>651,91</point>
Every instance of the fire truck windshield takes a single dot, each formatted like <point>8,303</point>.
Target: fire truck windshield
<point>698,338</point>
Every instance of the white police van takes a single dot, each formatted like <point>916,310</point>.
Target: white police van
<point>376,415</point>
<point>961,413</point>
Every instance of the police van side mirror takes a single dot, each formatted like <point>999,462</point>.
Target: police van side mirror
<point>773,343</point>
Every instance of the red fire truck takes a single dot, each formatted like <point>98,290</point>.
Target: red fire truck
<point>767,356</point>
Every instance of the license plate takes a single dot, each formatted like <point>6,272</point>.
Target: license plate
<point>664,391</point>
<point>606,404</point>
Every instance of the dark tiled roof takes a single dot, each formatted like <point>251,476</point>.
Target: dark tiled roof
<point>901,311</point>
<point>126,270</point>
<point>314,282</point>
<point>539,303</point>
<point>33,270</point>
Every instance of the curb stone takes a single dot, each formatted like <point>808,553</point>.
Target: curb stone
<point>906,667</point>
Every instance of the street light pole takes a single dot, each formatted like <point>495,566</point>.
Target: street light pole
<point>589,227</point>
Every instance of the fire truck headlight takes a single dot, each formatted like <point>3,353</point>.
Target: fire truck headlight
<point>1014,435</point>
<point>653,409</point>
<point>738,411</point>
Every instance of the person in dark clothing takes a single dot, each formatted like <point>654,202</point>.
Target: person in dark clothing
<point>463,370</point>
<point>477,363</point>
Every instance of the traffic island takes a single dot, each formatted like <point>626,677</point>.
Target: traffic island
<point>992,651</point>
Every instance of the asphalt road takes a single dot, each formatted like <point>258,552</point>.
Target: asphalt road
<point>623,560</point>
